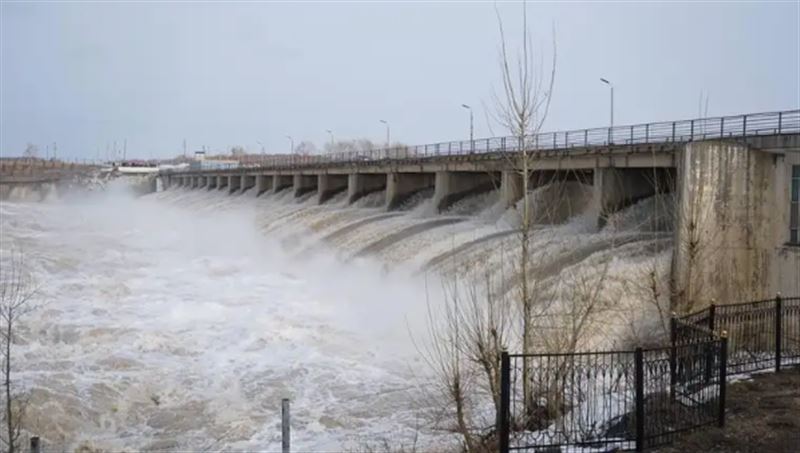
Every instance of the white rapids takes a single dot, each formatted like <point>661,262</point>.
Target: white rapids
<point>181,319</point>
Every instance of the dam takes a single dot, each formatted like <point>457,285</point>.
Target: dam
<point>180,319</point>
<point>729,180</point>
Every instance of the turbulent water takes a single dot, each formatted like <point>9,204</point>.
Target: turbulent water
<point>181,319</point>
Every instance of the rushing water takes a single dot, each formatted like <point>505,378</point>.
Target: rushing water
<point>181,319</point>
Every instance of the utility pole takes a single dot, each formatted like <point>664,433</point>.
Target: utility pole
<point>184,148</point>
<point>291,143</point>
<point>388,136</point>
<point>55,151</point>
<point>330,132</point>
<point>612,99</point>
<point>125,149</point>
<point>471,128</point>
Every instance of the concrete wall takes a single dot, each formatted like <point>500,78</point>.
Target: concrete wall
<point>330,185</point>
<point>359,185</point>
<point>727,218</point>
<point>452,186</point>
<point>303,184</point>
<point>400,186</point>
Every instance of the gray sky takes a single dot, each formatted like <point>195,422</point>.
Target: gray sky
<point>86,74</point>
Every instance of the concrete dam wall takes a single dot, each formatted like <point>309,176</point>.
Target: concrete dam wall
<point>725,204</point>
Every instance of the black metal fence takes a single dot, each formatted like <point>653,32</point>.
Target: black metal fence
<point>761,335</point>
<point>635,399</point>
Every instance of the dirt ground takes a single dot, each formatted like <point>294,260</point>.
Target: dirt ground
<point>763,415</point>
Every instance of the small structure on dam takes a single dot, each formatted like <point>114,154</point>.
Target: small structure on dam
<point>735,181</point>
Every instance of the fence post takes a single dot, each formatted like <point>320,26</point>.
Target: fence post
<point>285,433</point>
<point>780,121</point>
<point>673,352</point>
<point>778,333</point>
<point>712,310</point>
<point>36,445</point>
<point>712,315</point>
<point>723,376</point>
<point>639,384</point>
<point>503,414</point>
<point>744,125</point>
<point>673,131</point>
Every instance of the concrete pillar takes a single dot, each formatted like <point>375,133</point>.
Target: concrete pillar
<point>263,184</point>
<point>725,245</point>
<point>280,182</point>
<point>452,186</point>
<point>248,182</point>
<point>400,186</point>
<point>211,182</point>
<point>303,184</point>
<point>234,183</point>
<point>330,185</point>
<point>194,182</point>
<point>510,187</point>
<point>201,181</point>
<point>361,184</point>
<point>222,182</point>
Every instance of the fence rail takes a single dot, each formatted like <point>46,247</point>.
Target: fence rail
<point>737,126</point>
<point>632,400</point>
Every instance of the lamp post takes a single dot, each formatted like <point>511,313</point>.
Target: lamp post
<point>291,142</point>
<point>262,146</point>
<point>471,128</point>
<point>612,98</point>
<point>388,142</point>
<point>330,132</point>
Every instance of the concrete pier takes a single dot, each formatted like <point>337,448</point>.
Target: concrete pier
<point>400,186</point>
<point>361,184</point>
<point>263,184</point>
<point>304,184</point>
<point>452,186</point>
<point>234,183</point>
<point>248,182</point>
<point>281,182</point>
<point>329,185</point>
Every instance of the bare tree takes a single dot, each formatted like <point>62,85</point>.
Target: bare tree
<point>522,109</point>
<point>31,151</point>
<point>17,294</point>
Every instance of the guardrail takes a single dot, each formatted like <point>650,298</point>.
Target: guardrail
<point>737,126</point>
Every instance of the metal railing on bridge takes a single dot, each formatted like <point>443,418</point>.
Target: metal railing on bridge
<point>737,126</point>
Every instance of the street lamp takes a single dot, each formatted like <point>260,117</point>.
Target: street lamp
<point>291,142</point>
<point>388,142</point>
<point>330,132</point>
<point>612,99</point>
<point>471,127</point>
<point>262,146</point>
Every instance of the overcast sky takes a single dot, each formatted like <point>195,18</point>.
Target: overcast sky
<point>219,74</point>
